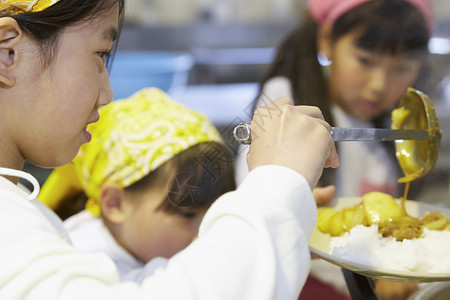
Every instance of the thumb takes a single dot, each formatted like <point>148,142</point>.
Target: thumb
<point>323,195</point>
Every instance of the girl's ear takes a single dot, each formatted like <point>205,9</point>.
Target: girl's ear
<point>10,36</point>
<point>112,203</point>
<point>324,44</point>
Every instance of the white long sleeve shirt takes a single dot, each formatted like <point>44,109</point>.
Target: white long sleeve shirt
<point>253,244</point>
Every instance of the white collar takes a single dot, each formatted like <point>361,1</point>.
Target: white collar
<point>26,176</point>
<point>89,234</point>
<point>343,119</point>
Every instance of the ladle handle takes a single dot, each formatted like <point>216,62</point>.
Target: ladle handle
<point>242,133</point>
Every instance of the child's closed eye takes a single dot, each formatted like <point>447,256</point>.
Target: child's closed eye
<point>188,214</point>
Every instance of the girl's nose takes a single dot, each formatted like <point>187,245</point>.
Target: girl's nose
<point>378,81</point>
<point>106,92</point>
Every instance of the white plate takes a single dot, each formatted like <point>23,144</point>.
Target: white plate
<point>320,244</point>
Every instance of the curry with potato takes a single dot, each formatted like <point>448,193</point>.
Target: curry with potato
<point>416,158</point>
<point>381,209</point>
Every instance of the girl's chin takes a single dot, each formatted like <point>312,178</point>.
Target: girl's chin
<point>58,155</point>
<point>366,116</point>
<point>368,113</point>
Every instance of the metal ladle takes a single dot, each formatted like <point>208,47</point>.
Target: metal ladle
<point>417,157</point>
<point>416,154</point>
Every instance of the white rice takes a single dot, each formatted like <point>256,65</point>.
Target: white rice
<point>430,253</point>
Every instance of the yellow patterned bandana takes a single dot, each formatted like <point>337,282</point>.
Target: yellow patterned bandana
<point>13,7</point>
<point>133,137</point>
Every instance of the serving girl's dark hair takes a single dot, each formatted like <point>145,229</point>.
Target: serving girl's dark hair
<point>384,26</point>
<point>46,26</point>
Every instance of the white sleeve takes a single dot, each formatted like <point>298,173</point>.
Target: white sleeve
<point>274,88</point>
<point>253,244</point>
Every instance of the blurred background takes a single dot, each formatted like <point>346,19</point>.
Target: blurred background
<point>210,55</point>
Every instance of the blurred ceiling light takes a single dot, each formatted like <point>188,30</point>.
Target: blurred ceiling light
<point>438,45</point>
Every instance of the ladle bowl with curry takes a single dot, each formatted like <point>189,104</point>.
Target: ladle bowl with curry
<point>416,158</point>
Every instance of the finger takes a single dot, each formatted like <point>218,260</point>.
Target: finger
<point>281,101</point>
<point>312,111</point>
<point>333,159</point>
<point>323,195</point>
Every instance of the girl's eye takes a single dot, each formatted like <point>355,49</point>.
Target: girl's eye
<point>402,69</point>
<point>365,61</point>
<point>104,55</point>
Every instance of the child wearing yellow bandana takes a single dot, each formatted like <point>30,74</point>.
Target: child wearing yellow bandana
<point>150,172</point>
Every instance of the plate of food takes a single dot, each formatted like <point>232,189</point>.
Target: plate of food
<point>372,236</point>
